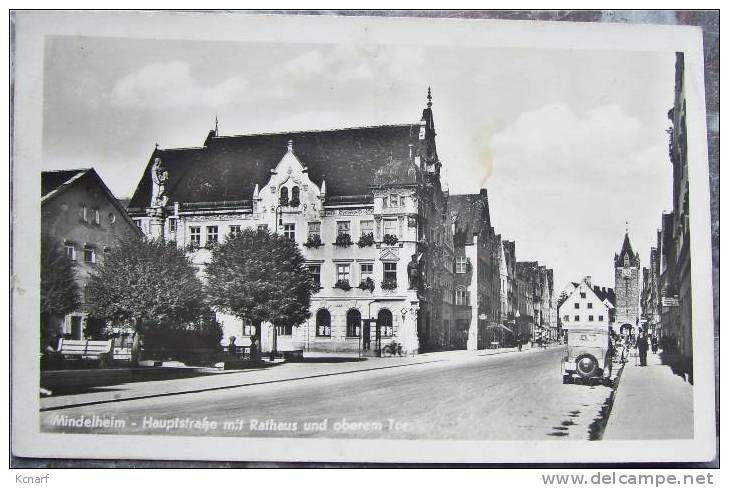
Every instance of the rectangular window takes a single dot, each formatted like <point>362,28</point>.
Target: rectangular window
<point>402,201</point>
<point>173,226</point>
<point>212,234</point>
<point>290,231</point>
<point>566,318</point>
<point>138,223</point>
<point>70,251</point>
<point>393,200</point>
<point>365,271</point>
<point>315,274</point>
<point>314,229</point>
<point>600,318</point>
<point>234,230</point>
<point>89,255</point>
<point>248,329</point>
<point>583,295</point>
<point>577,318</point>
<point>589,304</point>
<point>390,272</point>
<point>84,213</point>
<point>591,318</point>
<point>460,264</point>
<point>343,228</point>
<point>462,297</point>
<point>389,226</point>
<point>97,217</point>
<point>577,305</point>
<point>342,272</point>
<point>284,330</point>
<point>195,236</point>
<point>366,227</point>
<point>384,202</point>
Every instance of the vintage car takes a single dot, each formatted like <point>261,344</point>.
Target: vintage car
<point>589,356</point>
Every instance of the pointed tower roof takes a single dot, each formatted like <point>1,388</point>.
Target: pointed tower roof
<point>627,249</point>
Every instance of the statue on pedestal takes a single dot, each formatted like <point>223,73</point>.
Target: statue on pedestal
<point>159,182</point>
<point>414,274</point>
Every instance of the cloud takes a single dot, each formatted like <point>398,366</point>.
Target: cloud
<point>170,85</point>
<point>356,62</point>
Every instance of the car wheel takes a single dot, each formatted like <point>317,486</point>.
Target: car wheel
<point>587,365</point>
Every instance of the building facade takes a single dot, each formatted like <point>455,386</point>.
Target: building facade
<point>365,205</point>
<point>678,152</point>
<point>478,267</point>
<point>627,290</point>
<point>584,308</point>
<point>80,214</point>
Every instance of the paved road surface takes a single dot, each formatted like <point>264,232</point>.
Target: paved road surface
<point>513,396</point>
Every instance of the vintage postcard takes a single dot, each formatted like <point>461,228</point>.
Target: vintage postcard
<point>242,236</point>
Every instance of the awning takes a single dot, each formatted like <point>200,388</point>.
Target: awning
<point>499,326</point>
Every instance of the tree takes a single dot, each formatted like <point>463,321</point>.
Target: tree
<point>59,288</point>
<point>260,277</point>
<point>148,282</point>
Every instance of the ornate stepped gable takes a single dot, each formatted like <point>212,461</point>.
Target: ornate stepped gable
<point>227,168</point>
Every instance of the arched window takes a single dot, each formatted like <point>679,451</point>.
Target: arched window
<point>323,323</point>
<point>354,322</point>
<point>295,197</point>
<point>384,322</point>
<point>284,196</point>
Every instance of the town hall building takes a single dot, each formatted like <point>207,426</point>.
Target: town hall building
<point>364,204</point>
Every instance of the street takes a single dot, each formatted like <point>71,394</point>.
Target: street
<point>509,396</point>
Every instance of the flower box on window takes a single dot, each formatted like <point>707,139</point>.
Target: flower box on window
<point>388,284</point>
<point>314,240</point>
<point>343,285</point>
<point>367,284</point>
<point>366,240</point>
<point>343,240</point>
<point>390,239</point>
<point>192,246</point>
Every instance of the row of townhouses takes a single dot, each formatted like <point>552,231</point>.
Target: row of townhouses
<point>397,258</point>
<point>666,292</point>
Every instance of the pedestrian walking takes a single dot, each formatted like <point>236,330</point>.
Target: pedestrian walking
<point>643,347</point>
<point>518,341</point>
<point>654,343</point>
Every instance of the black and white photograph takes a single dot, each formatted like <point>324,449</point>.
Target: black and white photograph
<point>242,236</point>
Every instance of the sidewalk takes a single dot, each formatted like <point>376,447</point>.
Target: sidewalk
<point>314,365</point>
<point>651,402</point>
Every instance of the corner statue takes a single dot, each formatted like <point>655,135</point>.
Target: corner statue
<point>414,273</point>
<point>159,180</point>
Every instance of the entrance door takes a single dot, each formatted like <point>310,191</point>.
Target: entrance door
<point>76,328</point>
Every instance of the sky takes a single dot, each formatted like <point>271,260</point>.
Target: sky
<point>570,144</point>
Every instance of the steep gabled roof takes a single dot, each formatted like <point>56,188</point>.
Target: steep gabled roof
<point>227,168</point>
<point>472,214</point>
<point>53,180</point>
<point>55,183</point>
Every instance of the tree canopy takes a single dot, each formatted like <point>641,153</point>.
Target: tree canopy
<point>261,277</point>
<point>59,289</point>
<point>148,281</point>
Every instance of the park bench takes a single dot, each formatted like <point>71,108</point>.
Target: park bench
<point>83,349</point>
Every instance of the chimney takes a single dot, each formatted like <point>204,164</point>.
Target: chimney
<point>588,280</point>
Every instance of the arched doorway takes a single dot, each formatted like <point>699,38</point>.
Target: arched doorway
<point>384,327</point>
